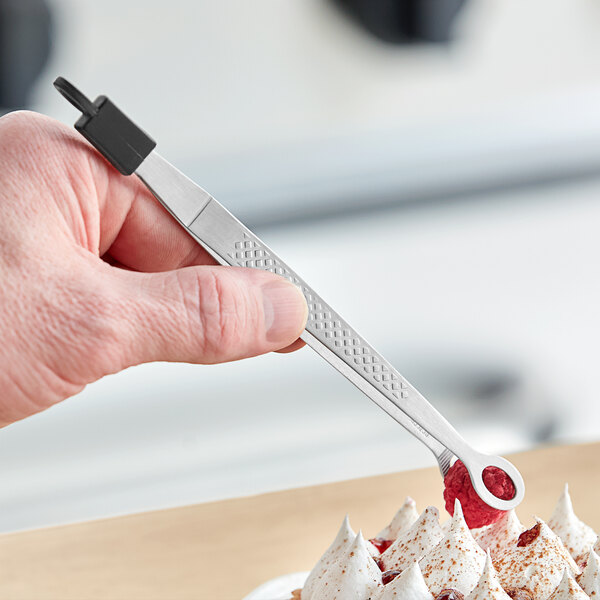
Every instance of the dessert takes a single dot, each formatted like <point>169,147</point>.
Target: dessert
<point>415,542</point>
<point>568,589</point>
<point>501,535</point>
<point>408,584</point>
<point>536,563</point>
<point>577,537</point>
<point>457,561</point>
<point>488,587</point>
<point>403,519</point>
<point>345,541</point>
<point>354,576</point>
<point>416,558</point>
<point>589,580</point>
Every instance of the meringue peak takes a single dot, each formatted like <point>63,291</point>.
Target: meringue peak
<point>589,580</point>
<point>577,537</point>
<point>568,589</point>
<point>409,585</point>
<point>354,576</point>
<point>414,543</point>
<point>457,561</point>
<point>458,523</point>
<point>404,519</point>
<point>342,542</point>
<point>488,587</point>
<point>501,535</point>
<point>536,563</point>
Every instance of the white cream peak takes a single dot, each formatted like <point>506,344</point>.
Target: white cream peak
<point>577,537</point>
<point>488,587</point>
<point>343,540</point>
<point>457,561</point>
<point>568,589</point>
<point>409,585</point>
<point>501,535</point>
<point>537,566</point>
<point>589,580</point>
<point>353,577</point>
<point>414,543</point>
<point>404,519</point>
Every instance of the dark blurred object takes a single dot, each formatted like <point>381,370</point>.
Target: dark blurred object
<point>401,21</point>
<point>25,41</point>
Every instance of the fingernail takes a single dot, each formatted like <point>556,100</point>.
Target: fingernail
<point>285,311</point>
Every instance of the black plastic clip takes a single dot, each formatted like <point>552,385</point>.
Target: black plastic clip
<point>109,130</point>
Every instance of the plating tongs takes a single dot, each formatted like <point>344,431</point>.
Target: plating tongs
<point>131,150</point>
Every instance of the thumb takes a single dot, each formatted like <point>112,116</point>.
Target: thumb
<point>208,314</point>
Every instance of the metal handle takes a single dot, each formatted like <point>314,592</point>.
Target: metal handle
<point>231,243</point>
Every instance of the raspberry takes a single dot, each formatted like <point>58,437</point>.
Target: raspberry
<point>381,544</point>
<point>527,537</point>
<point>477,513</point>
<point>388,576</point>
<point>519,594</point>
<point>450,594</point>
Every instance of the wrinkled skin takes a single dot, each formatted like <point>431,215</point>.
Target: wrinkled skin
<point>96,276</point>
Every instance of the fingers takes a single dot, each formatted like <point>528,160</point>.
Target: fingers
<point>106,211</point>
<point>207,314</point>
<point>293,347</point>
<point>141,234</point>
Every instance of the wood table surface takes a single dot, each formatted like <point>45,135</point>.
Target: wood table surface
<point>221,550</point>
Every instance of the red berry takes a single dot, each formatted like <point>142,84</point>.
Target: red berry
<point>388,576</point>
<point>381,544</point>
<point>450,594</point>
<point>529,536</point>
<point>477,513</point>
<point>519,594</point>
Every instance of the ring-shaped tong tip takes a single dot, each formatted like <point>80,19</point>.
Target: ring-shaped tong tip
<point>476,467</point>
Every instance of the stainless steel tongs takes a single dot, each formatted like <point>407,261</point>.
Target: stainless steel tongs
<point>131,150</point>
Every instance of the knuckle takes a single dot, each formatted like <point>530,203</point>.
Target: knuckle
<point>222,309</point>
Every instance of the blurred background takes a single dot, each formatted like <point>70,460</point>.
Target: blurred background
<point>431,167</point>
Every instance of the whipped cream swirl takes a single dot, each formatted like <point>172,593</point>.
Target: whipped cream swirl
<point>409,585</point>
<point>488,587</point>
<point>355,576</point>
<point>342,542</point>
<point>414,543</point>
<point>536,563</point>
<point>568,589</point>
<point>403,520</point>
<point>457,561</point>
<point>577,537</point>
<point>501,535</point>
<point>589,580</point>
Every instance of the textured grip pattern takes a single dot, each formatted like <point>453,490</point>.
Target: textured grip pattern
<point>323,322</point>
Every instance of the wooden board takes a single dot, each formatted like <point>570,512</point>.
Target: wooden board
<point>221,550</point>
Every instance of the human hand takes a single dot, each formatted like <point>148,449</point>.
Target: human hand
<point>96,276</point>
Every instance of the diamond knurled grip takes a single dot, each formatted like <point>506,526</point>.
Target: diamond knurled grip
<point>323,322</point>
